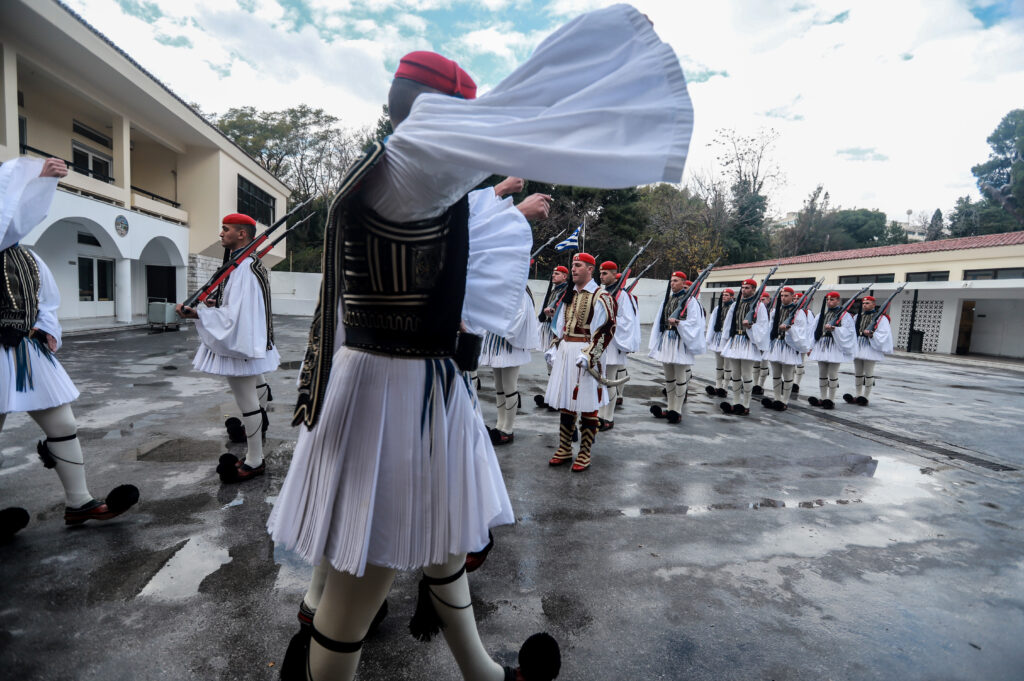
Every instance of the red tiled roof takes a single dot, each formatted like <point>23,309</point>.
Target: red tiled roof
<point>984,241</point>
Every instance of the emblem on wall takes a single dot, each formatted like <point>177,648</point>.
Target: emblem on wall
<point>121,225</point>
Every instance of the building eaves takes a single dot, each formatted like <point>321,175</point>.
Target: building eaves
<point>964,243</point>
<point>168,90</point>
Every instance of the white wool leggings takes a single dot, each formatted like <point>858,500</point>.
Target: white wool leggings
<point>506,390</point>
<point>61,430</point>
<point>828,379</point>
<point>864,376</point>
<point>248,401</point>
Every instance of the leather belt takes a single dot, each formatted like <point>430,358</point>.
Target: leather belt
<point>577,339</point>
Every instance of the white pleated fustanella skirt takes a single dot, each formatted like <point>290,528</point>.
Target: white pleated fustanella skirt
<point>497,353</point>
<point>210,362</point>
<point>44,382</point>
<point>740,347</point>
<point>398,471</point>
<point>827,350</point>
<point>782,352</point>
<point>566,377</point>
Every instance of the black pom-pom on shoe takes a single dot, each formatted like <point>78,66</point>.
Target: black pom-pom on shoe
<point>757,390</point>
<point>236,431</point>
<point>796,389</point>
<point>848,398</point>
<point>657,412</point>
<point>725,407</point>
<point>813,401</point>
<point>828,404</point>
<point>710,390</point>
<point>721,392</point>
<point>539,400</point>
<point>862,401</point>
<point>767,402</point>
<point>673,417</point>
<point>540,658</point>
<point>12,521</point>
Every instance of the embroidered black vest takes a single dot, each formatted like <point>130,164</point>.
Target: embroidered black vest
<point>783,313</point>
<point>828,316</point>
<point>865,320</point>
<point>736,328</point>
<point>402,285</point>
<point>19,299</point>
<point>723,309</point>
<point>668,308</point>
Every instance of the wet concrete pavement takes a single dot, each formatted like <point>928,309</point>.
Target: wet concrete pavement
<point>864,543</point>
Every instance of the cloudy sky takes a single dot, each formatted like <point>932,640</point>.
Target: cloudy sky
<point>885,102</point>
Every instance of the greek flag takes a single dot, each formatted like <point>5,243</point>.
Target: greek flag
<point>572,242</point>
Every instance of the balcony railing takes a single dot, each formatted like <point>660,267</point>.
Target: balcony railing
<point>156,197</point>
<point>77,168</point>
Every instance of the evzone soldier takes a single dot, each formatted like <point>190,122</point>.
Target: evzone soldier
<point>506,354</point>
<point>636,331</point>
<point>674,342</point>
<point>236,334</point>
<point>549,307</point>
<point>585,328</point>
<point>834,342</point>
<point>789,339</point>
<point>874,342</point>
<point>744,346</point>
<point>798,374</point>
<point>625,341</point>
<point>31,378</point>
<point>368,494</point>
<point>761,368</point>
<point>715,340</point>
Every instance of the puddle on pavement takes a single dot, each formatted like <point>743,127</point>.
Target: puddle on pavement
<point>237,502</point>
<point>896,482</point>
<point>181,575</point>
<point>294,573</point>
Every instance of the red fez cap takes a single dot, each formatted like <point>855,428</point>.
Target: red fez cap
<point>681,275</point>
<point>238,219</point>
<point>749,282</point>
<point>563,269</point>
<point>788,289</point>
<point>584,257</point>
<point>765,294</point>
<point>609,265</point>
<point>618,276</point>
<point>799,295</point>
<point>871,298</point>
<point>687,282</point>
<point>440,73</point>
<point>833,294</point>
<point>730,291</point>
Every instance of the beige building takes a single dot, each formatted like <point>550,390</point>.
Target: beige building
<point>138,217</point>
<point>962,295</point>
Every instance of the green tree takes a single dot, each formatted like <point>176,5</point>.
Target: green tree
<point>935,227</point>
<point>972,218</point>
<point>894,234</point>
<point>750,172</point>
<point>683,236</point>
<point>1001,177</point>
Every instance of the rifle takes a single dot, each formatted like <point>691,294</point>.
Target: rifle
<point>805,301</point>
<point>851,301</point>
<point>545,245</point>
<point>616,286</point>
<point>228,267</point>
<point>885,307</point>
<point>775,296</point>
<point>278,239</point>
<point>629,289</point>
<point>752,312</point>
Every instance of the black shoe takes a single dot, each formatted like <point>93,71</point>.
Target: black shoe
<point>721,392</point>
<point>767,402</point>
<point>828,404</point>
<point>673,417</point>
<point>605,424</point>
<point>474,559</point>
<point>120,499</point>
<point>499,437</point>
<point>757,390</point>
<point>778,405</point>
<point>813,401</point>
<point>726,407</point>
<point>657,411</point>
<point>862,401</point>
<point>740,410</point>
<point>618,401</point>
<point>710,390</point>
<point>796,389</point>
<point>539,660</point>
<point>848,398</point>
<point>539,401</point>
<point>12,521</point>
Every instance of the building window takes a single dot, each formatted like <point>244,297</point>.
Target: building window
<point>798,281</point>
<point>867,279</point>
<point>255,202</point>
<point>1001,273</point>
<point>88,133</point>
<point>91,162</point>
<point>95,279</point>
<point>928,276</point>
<point>724,284</point>
<point>88,239</point>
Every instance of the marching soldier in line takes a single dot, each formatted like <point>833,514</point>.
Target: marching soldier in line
<point>789,339</point>
<point>715,341</point>
<point>834,342</point>
<point>799,373</point>
<point>761,368</point>
<point>626,340</point>
<point>585,326</point>
<point>31,378</point>
<point>236,333</point>
<point>874,342</point>
<point>549,308</point>
<point>674,343</point>
<point>747,339</point>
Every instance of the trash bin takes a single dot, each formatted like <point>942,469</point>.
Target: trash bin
<point>162,315</point>
<point>916,341</point>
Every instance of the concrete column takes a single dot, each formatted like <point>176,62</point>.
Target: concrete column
<point>9,103</point>
<point>122,138</point>
<point>123,290</point>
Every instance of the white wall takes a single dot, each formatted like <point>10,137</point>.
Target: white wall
<point>294,293</point>
<point>998,328</point>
